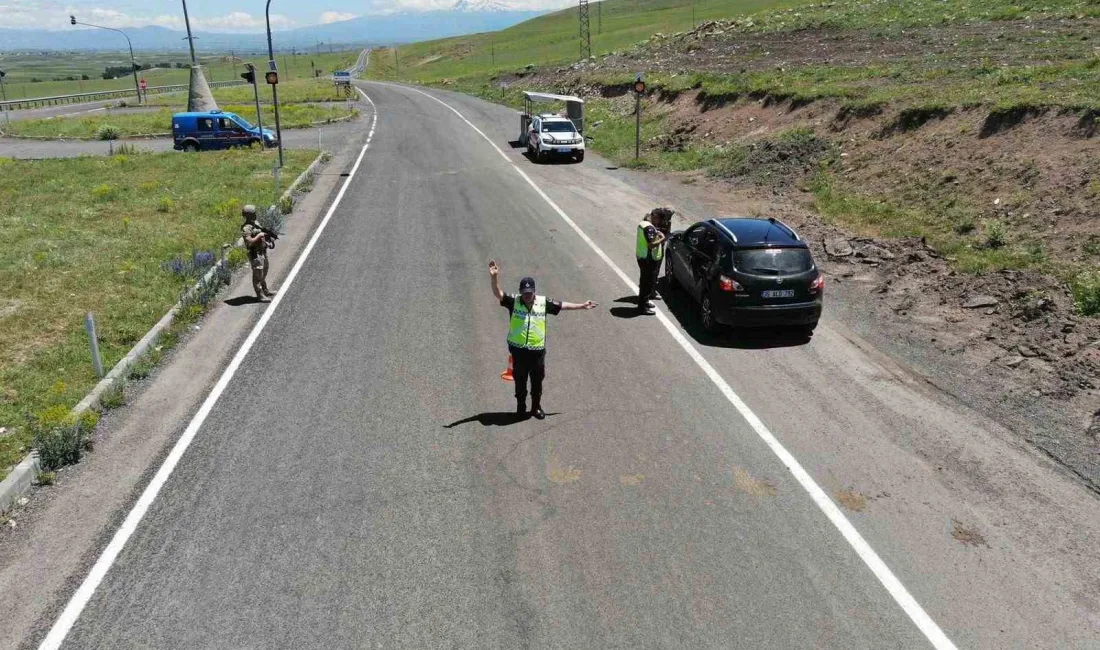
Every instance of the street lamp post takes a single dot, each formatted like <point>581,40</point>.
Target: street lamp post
<point>274,86</point>
<point>133,63</point>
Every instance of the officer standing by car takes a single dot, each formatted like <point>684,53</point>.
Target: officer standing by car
<point>527,336</point>
<point>649,248</point>
<point>256,242</point>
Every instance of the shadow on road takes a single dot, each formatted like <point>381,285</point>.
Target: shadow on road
<point>516,144</point>
<point>243,300</point>
<point>684,309</point>
<point>498,419</point>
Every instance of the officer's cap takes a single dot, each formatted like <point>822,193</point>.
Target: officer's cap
<point>248,210</point>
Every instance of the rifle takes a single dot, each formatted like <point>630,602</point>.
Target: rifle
<point>270,236</point>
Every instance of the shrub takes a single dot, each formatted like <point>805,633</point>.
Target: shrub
<point>46,478</point>
<point>236,257</point>
<point>190,267</point>
<point>166,204</point>
<point>1086,293</point>
<point>995,236</point>
<point>107,132</point>
<point>104,192</point>
<point>114,397</point>
<point>60,438</point>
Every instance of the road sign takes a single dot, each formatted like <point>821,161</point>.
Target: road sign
<point>271,66</point>
<point>272,78</point>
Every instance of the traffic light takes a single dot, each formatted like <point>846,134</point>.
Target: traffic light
<point>639,86</point>
<point>272,78</point>
<point>249,76</point>
<point>3,74</point>
<point>72,19</point>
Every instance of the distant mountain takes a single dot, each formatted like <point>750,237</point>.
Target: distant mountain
<point>480,5</point>
<point>466,17</point>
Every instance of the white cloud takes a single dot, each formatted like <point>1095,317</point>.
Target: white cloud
<point>45,14</point>
<point>336,16</point>
<point>237,21</point>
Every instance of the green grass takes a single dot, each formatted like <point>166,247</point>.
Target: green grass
<point>93,235</point>
<point>553,39</point>
<point>292,92</point>
<point>22,68</point>
<point>291,116</point>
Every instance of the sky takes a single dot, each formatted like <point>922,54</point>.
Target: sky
<point>219,15</point>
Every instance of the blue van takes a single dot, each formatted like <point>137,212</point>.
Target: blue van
<point>215,130</point>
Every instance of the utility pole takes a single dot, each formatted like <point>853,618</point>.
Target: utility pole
<point>599,17</point>
<point>396,61</point>
<point>4,92</point>
<point>693,14</point>
<point>586,36</point>
<point>493,54</point>
<point>639,90</point>
<point>190,38</point>
<point>250,76</point>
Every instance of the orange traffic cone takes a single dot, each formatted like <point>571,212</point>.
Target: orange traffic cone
<point>507,374</point>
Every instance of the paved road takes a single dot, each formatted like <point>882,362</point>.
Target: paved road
<point>358,484</point>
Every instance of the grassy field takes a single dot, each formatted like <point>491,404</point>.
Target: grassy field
<point>552,39</point>
<point>113,236</point>
<point>293,92</point>
<point>291,116</point>
<point>53,70</point>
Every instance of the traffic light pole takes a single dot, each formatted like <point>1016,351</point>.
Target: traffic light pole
<point>133,63</point>
<point>256,94</point>
<point>275,86</point>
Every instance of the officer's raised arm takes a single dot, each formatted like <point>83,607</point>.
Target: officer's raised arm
<point>587,304</point>
<point>494,270</point>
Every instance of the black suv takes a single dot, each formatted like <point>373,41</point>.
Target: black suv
<point>746,273</point>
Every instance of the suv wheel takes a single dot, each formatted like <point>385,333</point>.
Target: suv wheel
<point>580,157</point>
<point>190,147</point>
<point>706,315</point>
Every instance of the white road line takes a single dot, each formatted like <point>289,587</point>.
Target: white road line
<point>90,110</point>
<point>891,582</point>
<point>87,588</point>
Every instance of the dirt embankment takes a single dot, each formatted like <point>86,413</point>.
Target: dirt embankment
<point>1007,198</point>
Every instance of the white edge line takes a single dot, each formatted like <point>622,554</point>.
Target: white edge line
<point>84,593</point>
<point>863,549</point>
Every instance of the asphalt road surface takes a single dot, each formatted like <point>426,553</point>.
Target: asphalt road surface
<point>360,484</point>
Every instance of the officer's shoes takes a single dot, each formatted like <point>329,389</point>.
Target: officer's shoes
<point>538,413</point>
<point>649,305</point>
<point>521,408</point>
<point>648,311</point>
<point>271,294</point>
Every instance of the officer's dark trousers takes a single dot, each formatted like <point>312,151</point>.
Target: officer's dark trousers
<point>528,363</point>
<point>647,280</point>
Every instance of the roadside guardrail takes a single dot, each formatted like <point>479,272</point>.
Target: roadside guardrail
<point>16,104</point>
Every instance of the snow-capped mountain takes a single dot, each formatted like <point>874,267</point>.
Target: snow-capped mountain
<point>480,5</point>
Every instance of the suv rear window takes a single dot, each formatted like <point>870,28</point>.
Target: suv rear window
<point>773,261</point>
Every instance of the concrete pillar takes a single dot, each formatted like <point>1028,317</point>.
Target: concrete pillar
<point>199,97</point>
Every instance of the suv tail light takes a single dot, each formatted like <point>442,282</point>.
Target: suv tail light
<point>729,284</point>
<point>818,285</point>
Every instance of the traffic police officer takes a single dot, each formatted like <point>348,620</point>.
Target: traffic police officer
<point>256,242</point>
<point>649,248</point>
<point>527,336</point>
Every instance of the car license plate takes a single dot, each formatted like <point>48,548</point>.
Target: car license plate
<point>564,150</point>
<point>778,293</point>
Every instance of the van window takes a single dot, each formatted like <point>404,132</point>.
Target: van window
<point>206,124</point>
<point>226,124</point>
